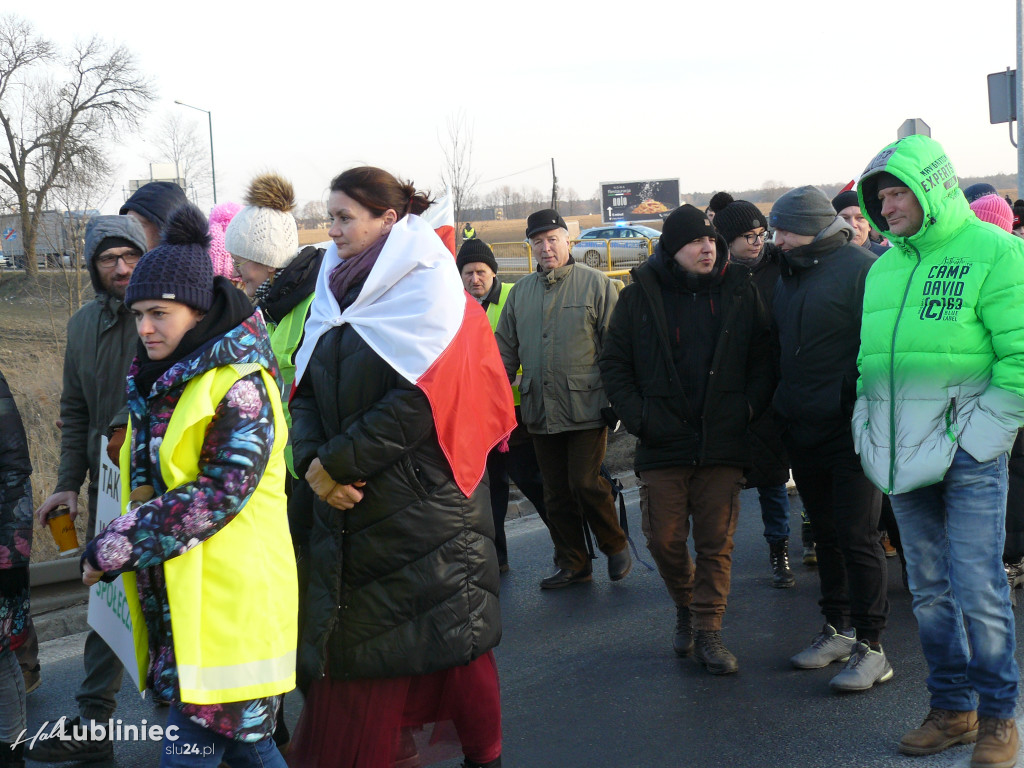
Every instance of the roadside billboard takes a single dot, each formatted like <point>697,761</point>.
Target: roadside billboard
<point>647,200</point>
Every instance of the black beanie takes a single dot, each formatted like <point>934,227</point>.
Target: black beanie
<point>155,201</point>
<point>845,200</point>
<point>802,211</point>
<point>739,217</point>
<point>684,225</point>
<point>474,250</point>
<point>179,269</point>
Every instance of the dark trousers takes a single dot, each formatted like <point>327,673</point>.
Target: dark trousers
<point>574,491</point>
<point>844,509</point>
<point>519,464</point>
<point>709,496</point>
<point>1013,549</point>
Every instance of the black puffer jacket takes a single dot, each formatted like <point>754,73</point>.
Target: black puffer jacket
<point>770,462</point>
<point>817,309</point>
<point>643,383</point>
<point>405,582</point>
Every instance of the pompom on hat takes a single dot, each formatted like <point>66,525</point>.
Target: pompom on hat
<point>220,216</point>
<point>179,269</point>
<point>264,230</point>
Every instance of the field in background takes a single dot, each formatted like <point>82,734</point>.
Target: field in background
<point>32,334</point>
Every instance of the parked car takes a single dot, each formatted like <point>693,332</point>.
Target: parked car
<point>628,246</point>
<point>5,263</point>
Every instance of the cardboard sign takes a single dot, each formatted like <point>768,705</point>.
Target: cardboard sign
<point>108,608</point>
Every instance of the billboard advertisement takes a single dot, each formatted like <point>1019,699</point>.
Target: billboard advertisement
<point>647,200</point>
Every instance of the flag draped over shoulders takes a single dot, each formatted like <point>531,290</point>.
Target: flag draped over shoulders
<point>414,312</point>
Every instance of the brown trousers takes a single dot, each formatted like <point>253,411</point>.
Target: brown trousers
<point>669,498</point>
<point>570,465</point>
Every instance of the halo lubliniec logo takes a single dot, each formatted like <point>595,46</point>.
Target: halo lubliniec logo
<point>116,730</point>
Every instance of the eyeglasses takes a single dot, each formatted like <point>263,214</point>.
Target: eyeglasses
<point>108,260</point>
<point>753,239</point>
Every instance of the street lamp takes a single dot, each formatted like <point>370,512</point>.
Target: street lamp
<point>213,170</point>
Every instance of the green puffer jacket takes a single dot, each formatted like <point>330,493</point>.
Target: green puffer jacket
<point>554,324</point>
<point>942,340</point>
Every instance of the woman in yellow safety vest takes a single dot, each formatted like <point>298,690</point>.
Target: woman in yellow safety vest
<point>206,449</point>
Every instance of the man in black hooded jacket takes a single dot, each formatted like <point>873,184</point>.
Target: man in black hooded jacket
<point>817,309</point>
<point>686,367</point>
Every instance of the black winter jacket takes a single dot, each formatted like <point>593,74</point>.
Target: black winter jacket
<point>769,460</point>
<point>405,582</point>
<point>817,310</point>
<point>644,386</point>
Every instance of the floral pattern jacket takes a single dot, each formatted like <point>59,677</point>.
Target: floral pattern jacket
<point>15,521</point>
<point>234,456</point>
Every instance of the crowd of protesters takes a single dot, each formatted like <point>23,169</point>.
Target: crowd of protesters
<point>317,444</point>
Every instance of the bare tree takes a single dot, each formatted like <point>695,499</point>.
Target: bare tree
<point>176,140</point>
<point>457,174</point>
<point>56,109</point>
<point>78,193</point>
<point>313,215</point>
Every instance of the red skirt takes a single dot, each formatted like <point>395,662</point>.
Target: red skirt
<point>380,723</point>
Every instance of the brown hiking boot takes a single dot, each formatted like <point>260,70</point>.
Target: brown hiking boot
<point>942,728</point>
<point>997,744</point>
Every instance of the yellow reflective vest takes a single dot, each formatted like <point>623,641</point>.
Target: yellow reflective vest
<point>233,597</point>
<point>493,313</point>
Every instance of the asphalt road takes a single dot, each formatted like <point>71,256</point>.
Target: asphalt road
<point>589,678</point>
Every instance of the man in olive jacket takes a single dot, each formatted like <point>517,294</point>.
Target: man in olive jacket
<point>553,325</point>
<point>687,366</point>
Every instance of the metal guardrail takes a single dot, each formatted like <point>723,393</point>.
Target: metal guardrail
<point>615,256</point>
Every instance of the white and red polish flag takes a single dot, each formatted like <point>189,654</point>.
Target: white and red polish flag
<point>414,312</point>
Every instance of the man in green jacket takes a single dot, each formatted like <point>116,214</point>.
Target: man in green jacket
<point>553,325</point>
<point>940,399</point>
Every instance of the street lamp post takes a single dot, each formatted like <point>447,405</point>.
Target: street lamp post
<point>213,169</point>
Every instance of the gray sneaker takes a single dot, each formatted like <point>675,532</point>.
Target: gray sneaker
<point>827,647</point>
<point>865,668</point>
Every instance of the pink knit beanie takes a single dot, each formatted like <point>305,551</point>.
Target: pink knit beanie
<point>220,216</point>
<point>994,210</point>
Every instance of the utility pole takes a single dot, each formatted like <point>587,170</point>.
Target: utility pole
<point>1019,92</point>
<point>554,180</point>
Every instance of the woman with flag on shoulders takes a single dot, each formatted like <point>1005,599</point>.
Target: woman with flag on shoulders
<point>400,395</point>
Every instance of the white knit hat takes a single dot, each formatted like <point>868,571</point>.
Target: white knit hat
<point>264,230</point>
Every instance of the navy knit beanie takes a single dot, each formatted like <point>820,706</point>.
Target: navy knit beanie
<point>739,217</point>
<point>845,199</point>
<point>155,201</point>
<point>179,269</point>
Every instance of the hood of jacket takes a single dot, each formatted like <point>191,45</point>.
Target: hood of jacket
<point>293,284</point>
<point>102,227</point>
<point>923,166</point>
<point>828,241</point>
<point>248,342</point>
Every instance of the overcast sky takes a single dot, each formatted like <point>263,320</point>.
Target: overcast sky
<point>718,95</point>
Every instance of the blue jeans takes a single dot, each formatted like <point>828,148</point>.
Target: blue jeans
<point>953,535</point>
<point>198,746</point>
<point>774,512</point>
